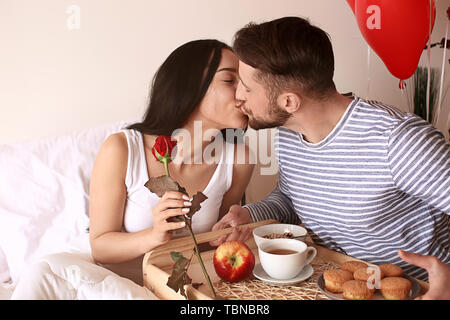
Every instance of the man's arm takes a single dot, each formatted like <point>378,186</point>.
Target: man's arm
<point>275,206</point>
<point>438,275</point>
<point>419,158</point>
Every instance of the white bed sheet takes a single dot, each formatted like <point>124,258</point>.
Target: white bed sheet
<point>44,199</point>
<point>6,291</point>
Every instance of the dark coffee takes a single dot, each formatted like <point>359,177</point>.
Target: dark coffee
<point>282,251</point>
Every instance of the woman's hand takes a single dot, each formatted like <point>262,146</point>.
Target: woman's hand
<point>235,216</point>
<point>438,275</point>
<point>172,204</point>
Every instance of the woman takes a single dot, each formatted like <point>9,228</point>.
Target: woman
<point>195,85</point>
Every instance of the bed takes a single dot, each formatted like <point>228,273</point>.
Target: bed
<point>44,199</point>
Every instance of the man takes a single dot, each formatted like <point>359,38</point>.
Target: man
<point>364,178</point>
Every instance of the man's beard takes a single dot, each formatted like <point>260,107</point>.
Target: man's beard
<point>277,117</point>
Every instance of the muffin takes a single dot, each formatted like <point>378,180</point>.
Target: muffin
<point>365,273</point>
<point>357,290</point>
<point>395,288</point>
<point>334,279</point>
<point>352,266</point>
<point>391,270</point>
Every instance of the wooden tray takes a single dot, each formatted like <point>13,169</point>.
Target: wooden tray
<point>157,266</point>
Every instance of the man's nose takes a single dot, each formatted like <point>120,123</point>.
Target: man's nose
<point>239,94</point>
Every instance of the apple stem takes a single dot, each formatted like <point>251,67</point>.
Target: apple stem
<point>197,253</point>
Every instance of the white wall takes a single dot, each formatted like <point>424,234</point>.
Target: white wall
<point>55,80</point>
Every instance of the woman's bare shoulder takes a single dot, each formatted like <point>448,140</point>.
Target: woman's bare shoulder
<point>115,144</point>
<point>113,154</point>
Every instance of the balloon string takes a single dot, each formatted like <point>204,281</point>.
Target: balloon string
<point>402,87</point>
<point>441,85</point>
<point>429,65</point>
<point>409,100</point>
<point>368,71</point>
<point>406,95</point>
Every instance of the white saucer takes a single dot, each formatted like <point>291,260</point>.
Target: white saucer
<point>259,273</point>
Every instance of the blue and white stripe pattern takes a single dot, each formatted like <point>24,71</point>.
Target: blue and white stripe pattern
<point>379,182</point>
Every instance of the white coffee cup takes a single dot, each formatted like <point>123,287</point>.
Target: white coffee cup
<point>285,266</point>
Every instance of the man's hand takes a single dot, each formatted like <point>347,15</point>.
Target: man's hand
<point>438,275</point>
<point>235,216</point>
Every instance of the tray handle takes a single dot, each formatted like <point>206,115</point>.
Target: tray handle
<point>186,243</point>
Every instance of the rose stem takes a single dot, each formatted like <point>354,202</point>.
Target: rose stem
<point>166,166</point>
<point>197,253</point>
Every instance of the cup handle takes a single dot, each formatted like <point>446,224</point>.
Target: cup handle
<point>312,252</point>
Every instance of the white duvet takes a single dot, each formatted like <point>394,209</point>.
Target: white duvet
<point>44,199</point>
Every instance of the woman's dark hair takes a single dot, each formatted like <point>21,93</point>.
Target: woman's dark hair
<point>179,86</point>
<point>289,53</point>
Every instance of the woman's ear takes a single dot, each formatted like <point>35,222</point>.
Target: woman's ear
<point>289,101</point>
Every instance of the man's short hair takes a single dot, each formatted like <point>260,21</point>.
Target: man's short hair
<point>289,54</point>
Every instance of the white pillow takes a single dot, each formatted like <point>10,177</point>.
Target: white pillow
<point>44,194</point>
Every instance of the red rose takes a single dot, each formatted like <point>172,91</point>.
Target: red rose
<point>163,147</point>
<point>448,13</point>
<point>162,151</point>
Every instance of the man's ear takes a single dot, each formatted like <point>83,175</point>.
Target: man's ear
<point>289,101</point>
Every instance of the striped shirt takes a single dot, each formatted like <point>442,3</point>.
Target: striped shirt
<point>379,182</point>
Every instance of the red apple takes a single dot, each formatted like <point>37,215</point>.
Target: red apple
<point>233,261</point>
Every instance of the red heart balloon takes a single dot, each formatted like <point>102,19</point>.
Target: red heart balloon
<point>351,3</point>
<point>396,30</point>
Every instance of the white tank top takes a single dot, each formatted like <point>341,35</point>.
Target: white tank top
<point>140,200</point>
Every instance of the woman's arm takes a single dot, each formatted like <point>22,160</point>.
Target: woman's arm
<point>107,204</point>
